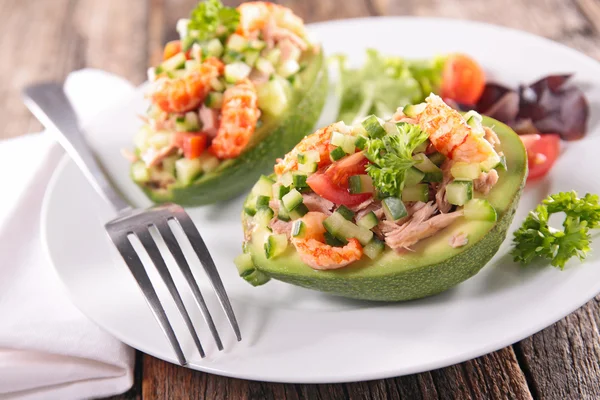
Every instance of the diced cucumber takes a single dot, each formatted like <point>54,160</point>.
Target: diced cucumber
<point>251,56</point>
<point>142,137</point>
<point>474,120</point>
<point>394,209</point>
<point>139,172</point>
<point>237,42</point>
<point>368,221</point>
<point>283,214</point>
<point>413,176</point>
<point>272,96</point>
<point>390,128</point>
<point>250,205</point>
<point>432,172</point>
<point>480,210</point>
<point>273,56</point>
<point>299,180</point>
<point>191,65</point>
<point>360,184</point>
<point>192,122</point>
<point>178,73</point>
<point>333,241</point>
<point>257,44</point>
<point>180,124</point>
<point>280,190</point>
<point>214,48</point>
<point>292,199</point>
<point>298,229</point>
<point>501,166</point>
<point>214,100</point>
<point>337,153</point>
<point>412,110</point>
<point>287,179</point>
<point>422,147</point>
<point>168,164</point>
<point>196,52</point>
<point>462,170</point>
<point>419,192</point>
<point>373,127</point>
<point>232,56</point>
<point>257,278</point>
<point>262,201</point>
<point>175,62</point>
<point>491,162</point>
<point>265,66</point>
<point>288,68</point>
<point>437,158</point>
<point>374,248</point>
<point>217,85</point>
<point>263,217</point>
<point>341,228</point>
<point>187,170</point>
<point>348,145</point>
<point>263,187</point>
<point>237,71</point>
<point>244,264</point>
<point>346,212</point>
<point>311,156</point>
<point>299,212</point>
<point>308,167</point>
<point>160,140</point>
<point>209,162</point>
<point>337,138</point>
<point>360,142</point>
<point>275,245</point>
<point>459,191</point>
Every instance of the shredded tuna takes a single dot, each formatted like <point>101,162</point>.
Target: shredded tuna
<point>274,34</point>
<point>375,207</point>
<point>278,226</point>
<point>440,196</point>
<point>314,202</point>
<point>274,205</point>
<point>420,226</point>
<point>486,181</point>
<point>362,205</point>
<point>491,136</point>
<point>128,155</point>
<point>458,240</point>
<point>210,120</point>
<point>153,157</point>
<point>258,77</point>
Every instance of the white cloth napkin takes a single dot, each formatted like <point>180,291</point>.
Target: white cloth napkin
<point>48,349</point>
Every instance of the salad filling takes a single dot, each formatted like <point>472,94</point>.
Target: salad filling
<point>352,191</point>
<point>232,71</point>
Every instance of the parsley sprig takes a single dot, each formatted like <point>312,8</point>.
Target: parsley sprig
<point>537,239</point>
<point>210,19</point>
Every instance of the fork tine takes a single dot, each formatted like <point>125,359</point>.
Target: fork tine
<point>139,274</point>
<point>169,238</point>
<point>209,266</point>
<point>158,261</point>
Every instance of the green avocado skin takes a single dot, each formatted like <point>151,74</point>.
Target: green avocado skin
<point>237,175</point>
<point>401,283</point>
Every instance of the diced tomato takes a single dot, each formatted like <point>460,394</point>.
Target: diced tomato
<point>193,144</point>
<point>171,49</point>
<point>323,185</point>
<point>340,171</point>
<point>542,152</point>
<point>463,80</point>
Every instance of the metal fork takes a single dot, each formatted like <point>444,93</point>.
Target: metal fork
<point>48,102</point>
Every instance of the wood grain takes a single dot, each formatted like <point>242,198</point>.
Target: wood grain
<point>44,40</point>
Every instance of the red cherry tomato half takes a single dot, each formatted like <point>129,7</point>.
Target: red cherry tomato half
<point>340,171</point>
<point>542,152</point>
<point>323,185</point>
<point>463,80</point>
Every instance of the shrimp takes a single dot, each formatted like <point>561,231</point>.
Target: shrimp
<point>256,15</point>
<point>178,95</point>
<point>318,255</point>
<point>451,135</point>
<point>318,141</point>
<point>239,115</point>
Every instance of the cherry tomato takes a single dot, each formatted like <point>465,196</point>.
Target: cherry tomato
<point>193,144</point>
<point>340,171</point>
<point>542,152</point>
<point>323,185</point>
<point>463,80</point>
<point>171,49</point>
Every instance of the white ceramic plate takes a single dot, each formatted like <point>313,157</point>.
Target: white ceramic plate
<point>296,335</point>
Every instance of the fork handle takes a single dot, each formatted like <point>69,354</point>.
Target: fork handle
<point>49,103</point>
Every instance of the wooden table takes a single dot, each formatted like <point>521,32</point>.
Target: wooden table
<point>47,39</point>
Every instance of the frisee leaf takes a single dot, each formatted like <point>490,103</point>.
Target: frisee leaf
<point>537,239</point>
<point>391,157</point>
<point>210,19</point>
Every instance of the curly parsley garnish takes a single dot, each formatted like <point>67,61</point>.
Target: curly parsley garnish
<point>391,157</point>
<point>211,19</point>
<point>536,239</point>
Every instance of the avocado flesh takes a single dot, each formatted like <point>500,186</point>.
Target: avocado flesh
<point>273,139</point>
<point>433,267</point>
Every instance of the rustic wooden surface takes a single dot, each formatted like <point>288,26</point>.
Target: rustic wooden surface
<point>42,40</point>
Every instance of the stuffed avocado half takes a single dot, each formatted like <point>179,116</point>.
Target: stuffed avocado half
<point>386,210</point>
<point>239,89</point>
